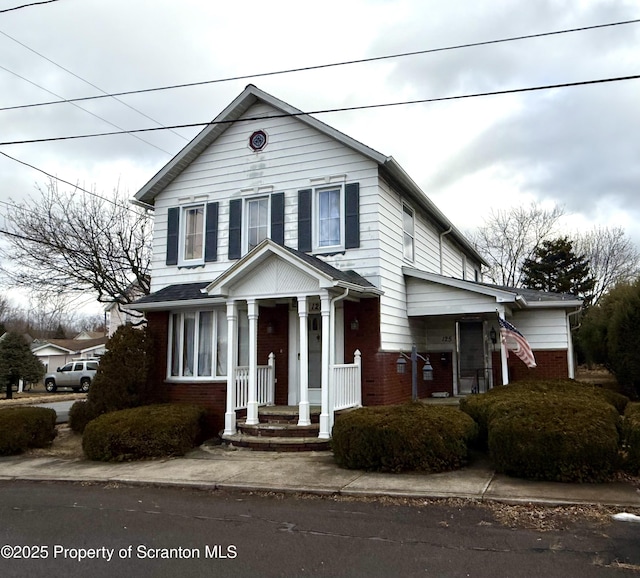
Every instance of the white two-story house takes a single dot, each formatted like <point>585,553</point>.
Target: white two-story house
<point>293,265</point>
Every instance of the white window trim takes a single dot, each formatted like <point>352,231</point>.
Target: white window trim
<point>315,226</point>
<point>406,207</point>
<point>183,232</point>
<point>245,219</point>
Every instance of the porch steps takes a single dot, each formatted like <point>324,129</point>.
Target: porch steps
<point>278,431</point>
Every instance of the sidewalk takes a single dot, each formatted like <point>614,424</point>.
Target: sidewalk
<point>316,473</point>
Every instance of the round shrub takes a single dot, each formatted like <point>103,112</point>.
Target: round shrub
<point>22,428</point>
<point>406,437</point>
<point>143,432</point>
<point>543,439</point>
<point>80,414</point>
<point>631,438</point>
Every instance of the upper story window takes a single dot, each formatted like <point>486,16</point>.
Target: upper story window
<point>408,228</point>
<point>330,218</point>
<point>193,233</point>
<point>257,211</point>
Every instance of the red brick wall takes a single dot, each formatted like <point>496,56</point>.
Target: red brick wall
<point>550,365</point>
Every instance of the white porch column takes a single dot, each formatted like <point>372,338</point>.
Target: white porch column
<point>303,406</point>
<point>252,402</point>
<point>232,356</point>
<point>325,381</point>
<point>503,353</point>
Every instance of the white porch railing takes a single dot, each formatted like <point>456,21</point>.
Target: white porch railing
<point>266,384</point>
<point>347,383</point>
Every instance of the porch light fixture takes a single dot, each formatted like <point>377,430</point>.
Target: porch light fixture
<point>427,370</point>
<point>270,328</point>
<point>355,325</point>
<point>493,335</point>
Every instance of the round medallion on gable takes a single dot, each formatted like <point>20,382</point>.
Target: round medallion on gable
<point>258,140</point>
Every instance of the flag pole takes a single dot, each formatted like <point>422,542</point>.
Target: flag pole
<point>503,352</point>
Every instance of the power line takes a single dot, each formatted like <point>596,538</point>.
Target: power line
<point>329,65</point>
<point>76,186</point>
<point>333,110</point>
<point>28,5</point>
<point>87,82</point>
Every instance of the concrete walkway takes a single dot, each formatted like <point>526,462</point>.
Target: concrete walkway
<point>315,472</point>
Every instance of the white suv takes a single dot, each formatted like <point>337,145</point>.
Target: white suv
<point>77,375</point>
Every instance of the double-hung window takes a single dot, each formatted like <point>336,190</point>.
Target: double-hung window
<point>408,228</point>
<point>257,221</point>
<point>330,227</point>
<point>193,234</point>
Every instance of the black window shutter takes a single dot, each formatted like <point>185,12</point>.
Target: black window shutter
<point>352,216</point>
<point>235,229</point>
<point>304,220</point>
<point>277,218</point>
<point>173,228</point>
<point>211,233</point>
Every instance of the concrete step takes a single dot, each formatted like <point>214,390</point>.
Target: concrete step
<point>285,414</point>
<point>277,444</point>
<point>279,429</point>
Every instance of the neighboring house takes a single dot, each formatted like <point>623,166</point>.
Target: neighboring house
<point>277,234</point>
<point>54,353</point>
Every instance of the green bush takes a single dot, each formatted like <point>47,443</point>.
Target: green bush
<point>143,432</point>
<point>405,437</point>
<point>22,428</point>
<point>485,407</point>
<point>122,380</point>
<point>80,414</point>
<point>544,440</point>
<point>631,438</point>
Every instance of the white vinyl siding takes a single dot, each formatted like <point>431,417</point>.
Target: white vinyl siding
<point>544,329</point>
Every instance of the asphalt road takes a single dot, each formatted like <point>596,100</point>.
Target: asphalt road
<point>73,530</point>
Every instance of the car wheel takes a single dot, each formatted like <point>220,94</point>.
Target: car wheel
<point>84,385</point>
<point>50,386</point>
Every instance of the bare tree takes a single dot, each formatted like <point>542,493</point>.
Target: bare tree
<point>509,237</point>
<point>612,257</point>
<point>75,242</point>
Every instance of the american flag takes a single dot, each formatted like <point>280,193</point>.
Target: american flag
<point>521,348</point>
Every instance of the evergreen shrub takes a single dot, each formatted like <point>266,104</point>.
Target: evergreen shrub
<point>22,428</point>
<point>143,432</point>
<point>413,436</point>
<point>631,438</point>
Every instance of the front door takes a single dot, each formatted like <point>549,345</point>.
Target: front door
<point>471,356</point>
<point>315,359</point>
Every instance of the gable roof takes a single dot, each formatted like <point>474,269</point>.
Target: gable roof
<point>389,168</point>
<point>71,345</point>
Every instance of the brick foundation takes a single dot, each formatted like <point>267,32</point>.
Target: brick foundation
<point>552,364</point>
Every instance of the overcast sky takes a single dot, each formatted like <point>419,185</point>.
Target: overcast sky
<point>576,147</point>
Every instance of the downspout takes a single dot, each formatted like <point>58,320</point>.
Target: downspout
<point>570,351</point>
<point>442,235</point>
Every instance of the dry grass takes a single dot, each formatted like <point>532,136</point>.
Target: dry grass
<point>67,445</point>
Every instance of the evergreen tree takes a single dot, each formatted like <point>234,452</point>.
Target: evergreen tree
<point>17,362</point>
<point>556,268</point>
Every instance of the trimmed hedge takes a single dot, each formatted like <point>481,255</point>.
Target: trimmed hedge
<point>631,438</point>
<point>143,432</point>
<point>22,428</point>
<point>405,437</point>
<point>541,439</point>
<point>485,407</point>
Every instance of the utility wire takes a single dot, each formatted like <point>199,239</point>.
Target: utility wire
<point>28,5</point>
<point>84,110</point>
<point>104,92</point>
<point>76,186</point>
<point>332,110</point>
<point>321,66</point>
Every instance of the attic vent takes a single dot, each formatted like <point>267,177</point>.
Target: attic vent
<point>258,140</point>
